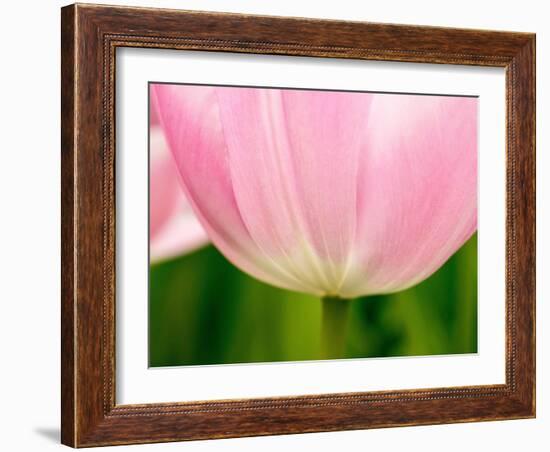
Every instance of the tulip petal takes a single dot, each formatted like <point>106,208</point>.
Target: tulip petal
<point>173,227</point>
<point>180,235</point>
<point>330,193</point>
<point>418,190</point>
<point>293,157</point>
<point>164,188</point>
<point>190,118</point>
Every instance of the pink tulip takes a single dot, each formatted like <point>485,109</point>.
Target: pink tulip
<point>173,227</point>
<point>335,194</point>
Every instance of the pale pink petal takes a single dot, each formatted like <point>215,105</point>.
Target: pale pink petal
<point>181,235</point>
<point>327,192</point>
<point>293,157</point>
<point>418,190</point>
<point>173,227</point>
<point>190,117</point>
<point>164,192</point>
<point>153,110</point>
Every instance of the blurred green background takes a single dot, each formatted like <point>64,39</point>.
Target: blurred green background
<point>203,310</point>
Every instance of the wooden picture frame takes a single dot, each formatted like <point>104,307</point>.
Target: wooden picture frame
<point>90,36</point>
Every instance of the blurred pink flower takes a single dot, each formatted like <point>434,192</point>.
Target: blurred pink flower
<point>173,227</point>
<point>328,193</point>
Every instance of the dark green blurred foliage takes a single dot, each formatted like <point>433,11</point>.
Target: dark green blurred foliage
<point>203,310</point>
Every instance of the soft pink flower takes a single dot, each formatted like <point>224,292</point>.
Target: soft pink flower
<point>329,193</point>
<point>173,227</point>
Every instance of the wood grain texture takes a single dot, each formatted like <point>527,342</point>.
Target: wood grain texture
<point>67,226</point>
<point>90,36</point>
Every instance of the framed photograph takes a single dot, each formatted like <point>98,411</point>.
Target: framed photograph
<point>281,225</point>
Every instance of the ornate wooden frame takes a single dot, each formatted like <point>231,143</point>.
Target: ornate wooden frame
<point>90,35</point>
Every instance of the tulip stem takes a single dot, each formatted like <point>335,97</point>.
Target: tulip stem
<point>335,313</point>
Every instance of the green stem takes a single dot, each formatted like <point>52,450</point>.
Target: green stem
<point>334,326</point>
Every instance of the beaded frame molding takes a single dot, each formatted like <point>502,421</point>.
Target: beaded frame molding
<point>90,36</point>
